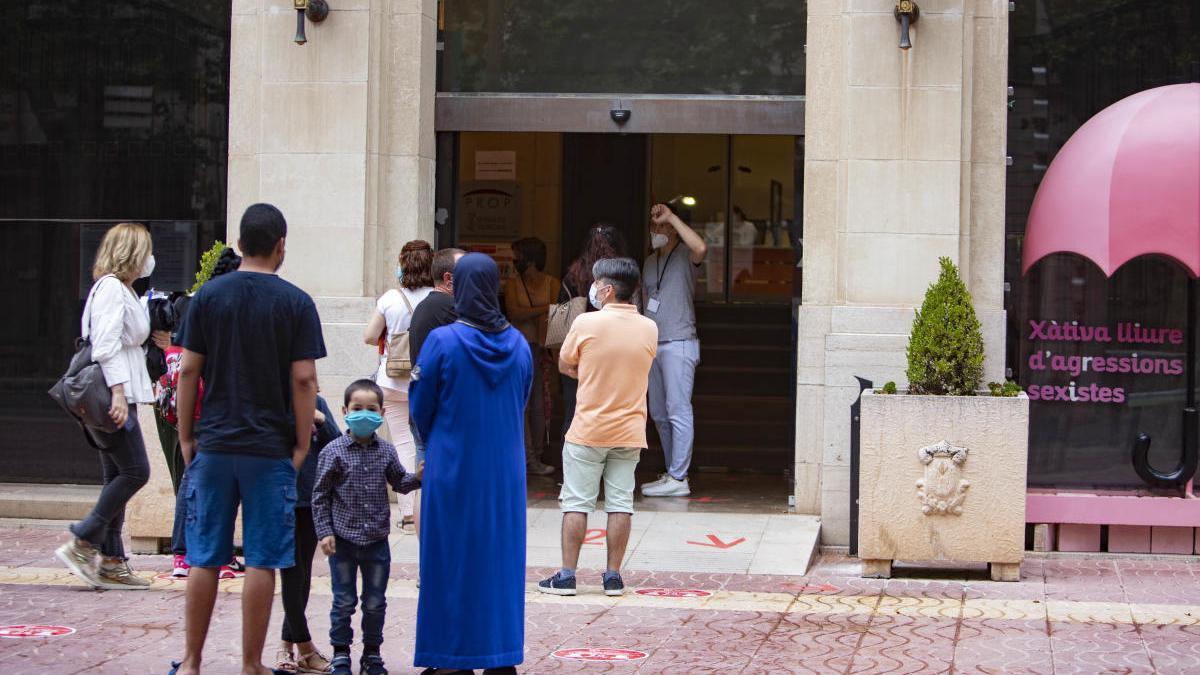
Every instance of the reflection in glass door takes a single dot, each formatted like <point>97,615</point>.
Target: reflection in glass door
<point>739,193</point>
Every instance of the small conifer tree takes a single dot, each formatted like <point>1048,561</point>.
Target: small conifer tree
<point>208,262</point>
<point>945,350</point>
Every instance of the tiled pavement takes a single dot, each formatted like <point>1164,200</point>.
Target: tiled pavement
<point>1067,615</point>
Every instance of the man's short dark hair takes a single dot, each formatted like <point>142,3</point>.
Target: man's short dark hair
<point>363,385</point>
<point>443,263</point>
<point>622,273</point>
<point>262,228</point>
<point>533,250</point>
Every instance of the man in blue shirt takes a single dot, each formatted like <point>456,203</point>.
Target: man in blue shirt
<point>254,339</point>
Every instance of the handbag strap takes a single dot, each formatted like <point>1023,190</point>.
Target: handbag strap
<point>407,305</point>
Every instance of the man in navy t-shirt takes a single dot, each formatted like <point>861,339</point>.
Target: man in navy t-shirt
<point>254,339</point>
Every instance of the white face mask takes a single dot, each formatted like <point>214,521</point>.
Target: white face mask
<point>399,272</point>
<point>147,267</point>
<point>594,297</point>
<point>658,240</point>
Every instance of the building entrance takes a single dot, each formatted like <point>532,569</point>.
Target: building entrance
<point>740,192</point>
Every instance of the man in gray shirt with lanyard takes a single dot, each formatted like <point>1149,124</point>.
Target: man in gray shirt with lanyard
<point>670,279</point>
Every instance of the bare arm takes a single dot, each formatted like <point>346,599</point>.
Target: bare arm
<point>695,243</point>
<point>186,391</point>
<point>304,403</point>
<point>568,369</point>
<point>375,327</point>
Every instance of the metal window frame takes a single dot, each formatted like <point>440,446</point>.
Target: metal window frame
<point>649,113</point>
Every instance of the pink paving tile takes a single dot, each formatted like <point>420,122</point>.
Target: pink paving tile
<point>1179,540</point>
<point>904,644</point>
<point>1128,539</point>
<point>1173,649</point>
<point>1155,582</point>
<point>1082,538</point>
<point>1001,645</point>
<point>1097,647</point>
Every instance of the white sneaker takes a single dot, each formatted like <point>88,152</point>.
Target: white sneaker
<point>662,478</point>
<point>668,488</point>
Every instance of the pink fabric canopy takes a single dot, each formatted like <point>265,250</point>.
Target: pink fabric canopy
<point>1126,184</point>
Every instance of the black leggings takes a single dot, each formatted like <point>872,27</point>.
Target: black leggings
<point>297,581</point>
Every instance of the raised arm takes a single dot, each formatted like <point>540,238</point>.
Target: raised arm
<point>695,243</point>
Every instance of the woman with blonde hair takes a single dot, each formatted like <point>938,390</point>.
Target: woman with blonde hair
<point>393,316</point>
<point>116,323</point>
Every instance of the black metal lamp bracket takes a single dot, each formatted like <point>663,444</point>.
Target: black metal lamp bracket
<point>315,10</point>
<point>907,14</point>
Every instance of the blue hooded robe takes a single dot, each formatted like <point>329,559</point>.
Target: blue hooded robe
<point>467,398</point>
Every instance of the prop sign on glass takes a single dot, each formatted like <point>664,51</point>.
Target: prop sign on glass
<point>1065,347</point>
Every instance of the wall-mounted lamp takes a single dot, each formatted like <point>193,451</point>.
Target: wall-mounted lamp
<point>315,10</point>
<point>907,14</point>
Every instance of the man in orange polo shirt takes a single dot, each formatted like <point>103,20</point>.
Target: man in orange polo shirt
<point>610,353</point>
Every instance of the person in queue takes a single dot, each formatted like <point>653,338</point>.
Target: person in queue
<point>255,339</point>
<point>469,389</point>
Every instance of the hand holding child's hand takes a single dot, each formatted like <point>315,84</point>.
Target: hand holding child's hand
<point>328,547</point>
<point>421,471</point>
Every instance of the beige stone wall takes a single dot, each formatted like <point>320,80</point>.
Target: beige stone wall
<point>904,163</point>
<point>339,134</point>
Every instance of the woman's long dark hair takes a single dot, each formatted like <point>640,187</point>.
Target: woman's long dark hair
<point>603,240</point>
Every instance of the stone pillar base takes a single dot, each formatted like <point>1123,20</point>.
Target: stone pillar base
<point>1005,571</point>
<point>877,569</point>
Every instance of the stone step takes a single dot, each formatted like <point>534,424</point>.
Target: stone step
<point>32,501</point>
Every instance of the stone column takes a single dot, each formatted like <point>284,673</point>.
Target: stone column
<point>904,163</point>
<point>338,133</point>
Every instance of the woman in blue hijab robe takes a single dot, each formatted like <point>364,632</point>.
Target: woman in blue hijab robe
<point>467,398</point>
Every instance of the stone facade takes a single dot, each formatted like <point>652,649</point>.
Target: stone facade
<point>904,163</point>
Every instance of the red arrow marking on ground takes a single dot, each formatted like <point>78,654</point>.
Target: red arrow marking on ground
<point>595,536</point>
<point>707,500</point>
<point>539,495</point>
<point>716,542</point>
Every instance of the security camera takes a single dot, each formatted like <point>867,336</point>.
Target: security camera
<point>619,115</point>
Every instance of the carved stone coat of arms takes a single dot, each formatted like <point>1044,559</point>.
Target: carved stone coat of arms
<point>943,488</point>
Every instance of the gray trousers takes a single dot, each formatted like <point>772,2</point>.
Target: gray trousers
<point>672,377</point>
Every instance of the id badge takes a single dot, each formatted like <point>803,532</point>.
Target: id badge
<point>652,305</point>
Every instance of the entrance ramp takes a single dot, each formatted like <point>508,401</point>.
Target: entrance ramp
<point>665,541</point>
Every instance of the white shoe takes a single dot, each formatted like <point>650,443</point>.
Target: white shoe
<point>668,488</point>
<point>662,478</point>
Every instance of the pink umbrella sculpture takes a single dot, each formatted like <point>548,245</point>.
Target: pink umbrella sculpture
<point>1127,184</point>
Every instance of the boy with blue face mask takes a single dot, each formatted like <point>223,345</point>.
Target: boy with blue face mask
<point>352,519</point>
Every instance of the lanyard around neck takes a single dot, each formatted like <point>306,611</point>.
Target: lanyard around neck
<point>663,267</point>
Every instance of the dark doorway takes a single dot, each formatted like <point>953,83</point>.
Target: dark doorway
<point>604,179</point>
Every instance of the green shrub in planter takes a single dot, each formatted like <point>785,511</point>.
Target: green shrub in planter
<point>208,263</point>
<point>945,350</point>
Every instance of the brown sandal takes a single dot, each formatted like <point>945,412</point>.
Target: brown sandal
<point>285,662</point>
<point>314,662</point>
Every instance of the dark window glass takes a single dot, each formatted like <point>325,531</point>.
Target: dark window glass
<point>627,46</point>
<point>114,110</point>
<point>1068,60</point>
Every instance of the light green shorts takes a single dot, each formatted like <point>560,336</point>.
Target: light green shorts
<point>583,468</point>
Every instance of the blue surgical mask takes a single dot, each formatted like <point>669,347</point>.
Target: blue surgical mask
<point>363,423</point>
<point>399,272</point>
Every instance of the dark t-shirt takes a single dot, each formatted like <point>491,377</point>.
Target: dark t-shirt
<point>250,327</point>
<point>435,311</point>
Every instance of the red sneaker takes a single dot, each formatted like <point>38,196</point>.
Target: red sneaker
<point>231,571</point>
<point>180,568</point>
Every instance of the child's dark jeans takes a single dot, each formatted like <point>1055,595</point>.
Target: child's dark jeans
<point>375,562</point>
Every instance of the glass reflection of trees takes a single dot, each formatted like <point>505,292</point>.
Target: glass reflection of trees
<point>629,46</point>
<point>1078,444</point>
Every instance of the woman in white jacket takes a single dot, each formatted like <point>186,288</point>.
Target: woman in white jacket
<point>116,323</point>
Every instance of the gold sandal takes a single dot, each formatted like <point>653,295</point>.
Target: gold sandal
<point>285,662</point>
<point>314,662</point>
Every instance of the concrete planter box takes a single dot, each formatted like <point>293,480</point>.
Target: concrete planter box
<point>943,478</point>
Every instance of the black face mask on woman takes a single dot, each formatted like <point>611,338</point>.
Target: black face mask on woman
<point>521,266</point>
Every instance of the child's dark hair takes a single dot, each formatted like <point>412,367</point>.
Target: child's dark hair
<point>363,385</point>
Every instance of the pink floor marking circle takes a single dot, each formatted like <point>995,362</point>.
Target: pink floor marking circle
<point>34,631</point>
<point>673,592</point>
<point>599,654</point>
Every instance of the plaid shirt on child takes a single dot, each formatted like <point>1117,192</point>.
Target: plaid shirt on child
<point>350,497</point>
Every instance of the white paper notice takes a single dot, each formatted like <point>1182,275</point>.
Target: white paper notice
<point>495,165</point>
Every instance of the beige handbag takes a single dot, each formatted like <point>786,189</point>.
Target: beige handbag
<point>560,318</point>
<point>399,363</point>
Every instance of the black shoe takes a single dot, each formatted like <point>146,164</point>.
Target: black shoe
<point>371,664</point>
<point>506,670</point>
<point>558,584</point>
<point>613,585</point>
<point>341,665</point>
<point>237,565</point>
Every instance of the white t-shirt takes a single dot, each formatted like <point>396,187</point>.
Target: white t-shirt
<point>398,319</point>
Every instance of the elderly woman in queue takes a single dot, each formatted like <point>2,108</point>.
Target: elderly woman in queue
<point>117,325</point>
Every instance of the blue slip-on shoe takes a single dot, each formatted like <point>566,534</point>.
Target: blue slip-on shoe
<point>174,667</point>
<point>613,585</point>
<point>558,584</point>
<point>341,665</point>
<point>372,664</point>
